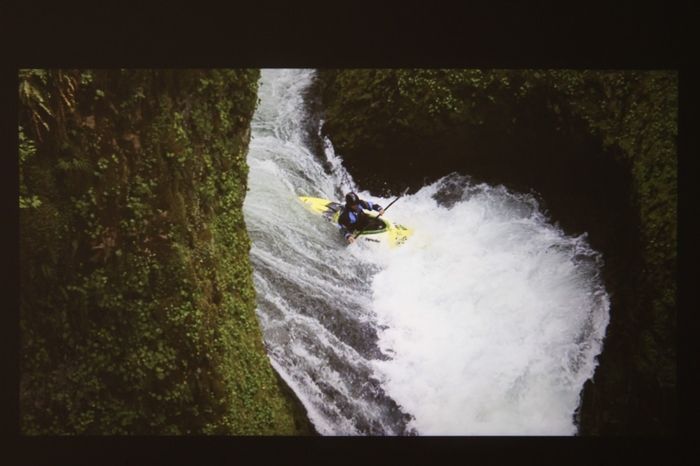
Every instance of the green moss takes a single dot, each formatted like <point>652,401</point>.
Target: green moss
<point>137,301</point>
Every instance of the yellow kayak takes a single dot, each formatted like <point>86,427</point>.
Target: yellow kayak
<point>384,231</point>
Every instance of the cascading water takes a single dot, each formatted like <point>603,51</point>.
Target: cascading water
<point>486,322</point>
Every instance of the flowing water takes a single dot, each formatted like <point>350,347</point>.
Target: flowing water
<point>487,321</point>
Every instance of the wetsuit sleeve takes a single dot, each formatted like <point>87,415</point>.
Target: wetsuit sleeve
<point>344,231</point>
<point>343,227</point>
<point>370,206</point>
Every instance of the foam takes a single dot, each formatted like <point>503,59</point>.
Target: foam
<point>483,316</point>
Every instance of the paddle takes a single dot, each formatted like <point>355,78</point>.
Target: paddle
<point>355,235</point>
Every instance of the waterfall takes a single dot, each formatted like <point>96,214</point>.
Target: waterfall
<point>487,321</point>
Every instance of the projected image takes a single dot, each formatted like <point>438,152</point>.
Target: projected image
<point>375,252</point>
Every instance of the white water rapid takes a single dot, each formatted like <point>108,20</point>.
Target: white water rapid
<point>487,321</point>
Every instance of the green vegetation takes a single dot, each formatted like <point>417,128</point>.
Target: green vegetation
<point>137,301</point>
<point>530,123</point>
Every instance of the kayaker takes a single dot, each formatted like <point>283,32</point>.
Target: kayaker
<point>352,218</point>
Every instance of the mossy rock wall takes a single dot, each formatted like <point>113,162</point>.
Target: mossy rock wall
<point>137,302</point>
<point>599,150</point>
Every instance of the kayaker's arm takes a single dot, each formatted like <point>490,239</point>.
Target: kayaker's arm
<point>372,206</point>
<point>347,234</point>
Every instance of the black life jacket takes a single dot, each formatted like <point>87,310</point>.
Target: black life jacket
<point>353,220</point>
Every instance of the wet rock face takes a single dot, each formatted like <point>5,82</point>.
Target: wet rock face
<point>534,144</point>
